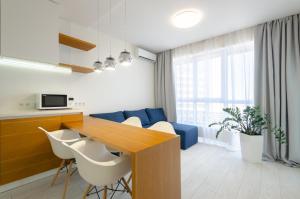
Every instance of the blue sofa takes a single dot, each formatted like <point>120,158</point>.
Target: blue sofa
<point>149,116</point>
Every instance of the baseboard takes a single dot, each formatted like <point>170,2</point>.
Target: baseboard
<point>27,180</point>
<point>30,179</point>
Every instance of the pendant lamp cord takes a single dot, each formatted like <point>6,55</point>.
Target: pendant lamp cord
<point>98,29</point>
<point>110,26</point>
<point>125,23</point>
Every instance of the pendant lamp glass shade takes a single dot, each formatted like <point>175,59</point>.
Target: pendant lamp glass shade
<point>110,63</point>
<point>125,58</point>
<point>98,66</point>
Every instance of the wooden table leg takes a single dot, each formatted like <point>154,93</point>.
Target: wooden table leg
<point>156,172</point>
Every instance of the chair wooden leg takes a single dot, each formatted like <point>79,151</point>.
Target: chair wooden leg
<point>129,179</point>
<point>91,188</point>
<point>104,194</point>
<point>126,185</point>
<point>88,189</point>
<point>62,164</point>
<point>67,178</point>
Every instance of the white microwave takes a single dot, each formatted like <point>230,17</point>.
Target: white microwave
<point>53,101</point>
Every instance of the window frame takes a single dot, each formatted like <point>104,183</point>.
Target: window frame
<point>193,60</point>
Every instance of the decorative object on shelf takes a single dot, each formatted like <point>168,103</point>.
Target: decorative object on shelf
<point>75,42</point>
<point>110,63</point>
<point>125,57</point>
<point>251,125</point>
<point>98,64</point>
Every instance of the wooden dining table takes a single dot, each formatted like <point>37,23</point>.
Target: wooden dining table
<point>155,156</point>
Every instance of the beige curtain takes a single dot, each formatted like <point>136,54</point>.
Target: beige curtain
<point>277,78</point>
<point>164,85</point>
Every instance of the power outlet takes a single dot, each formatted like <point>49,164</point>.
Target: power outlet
<point>79,104</point>
<point>26,105</point>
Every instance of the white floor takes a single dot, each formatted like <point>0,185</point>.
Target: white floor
<point>208,172</point>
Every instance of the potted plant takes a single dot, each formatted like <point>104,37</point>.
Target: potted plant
<point>251,125</point>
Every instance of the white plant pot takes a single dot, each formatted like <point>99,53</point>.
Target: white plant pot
<point>251,147</point>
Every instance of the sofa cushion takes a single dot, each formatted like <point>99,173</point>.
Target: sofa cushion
<point>147,125</point>
<point>156,115</point>
<point>188,134</point>
<point>138,113</point>
<point>115,116</point>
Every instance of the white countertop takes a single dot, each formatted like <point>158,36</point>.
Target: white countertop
<point>36,113</point>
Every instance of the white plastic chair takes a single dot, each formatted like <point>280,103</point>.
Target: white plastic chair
<point>133,121</point>
<point>98,166</point>
<point>163,127</point>
<point>56,139</point>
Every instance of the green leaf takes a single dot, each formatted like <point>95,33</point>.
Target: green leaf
<point>249,121</point>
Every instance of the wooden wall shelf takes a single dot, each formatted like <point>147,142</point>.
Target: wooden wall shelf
<point>78,69</point>
<point>75,42</point>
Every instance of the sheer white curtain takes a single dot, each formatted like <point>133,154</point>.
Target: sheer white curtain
<point>211,75</point>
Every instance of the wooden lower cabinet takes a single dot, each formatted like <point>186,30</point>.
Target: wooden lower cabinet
<point>24,149</point>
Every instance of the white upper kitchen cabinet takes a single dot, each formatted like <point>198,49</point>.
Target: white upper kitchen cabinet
<point>29,30</point>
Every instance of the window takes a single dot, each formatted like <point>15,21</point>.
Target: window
<point>208,81</point>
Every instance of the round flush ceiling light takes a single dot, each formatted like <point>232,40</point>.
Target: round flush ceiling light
<point>186,18</point>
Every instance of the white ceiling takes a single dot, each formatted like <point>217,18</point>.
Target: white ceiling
<point>149,26</point>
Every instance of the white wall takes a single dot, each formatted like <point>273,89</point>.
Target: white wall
<point>125,88</point>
